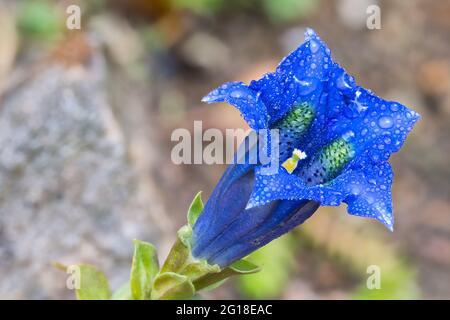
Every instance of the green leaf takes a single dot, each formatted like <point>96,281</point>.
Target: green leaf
<point>240,267</point>
<point>172,286</point>
<point>92,284</point>
<point>195,209</point>
<point>143,269</point>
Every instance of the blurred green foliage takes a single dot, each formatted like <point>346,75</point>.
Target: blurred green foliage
<point>397,282</point>
<point>276,10</point>
<point>287,10</point>
<point>276,260</point>
<point>199,6</point>
<point>353,248</point>
<point>40,20</point>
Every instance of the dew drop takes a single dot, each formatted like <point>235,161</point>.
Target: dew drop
<point>305,86</point>
<point>350,111</point>
<point>385,122</point>
<point>394,107</point>
<point>345,82</point>
<point>313,46</point>
<point>348,135</point>
<point>309,33</point>
<point>355,189</point>
<point>236,94</point>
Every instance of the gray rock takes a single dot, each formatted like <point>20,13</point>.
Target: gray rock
<point>69,192</point>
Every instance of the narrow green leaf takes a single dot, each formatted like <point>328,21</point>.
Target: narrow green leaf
<point>244,267</point>
<point>240,267</point>
<point>143,269</point>
<point>195,209</point>
<point>172,286</point>
<point>91,283</point>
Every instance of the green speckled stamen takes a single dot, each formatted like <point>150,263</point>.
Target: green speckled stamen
<point>293,126</point>
<point>328,162</point>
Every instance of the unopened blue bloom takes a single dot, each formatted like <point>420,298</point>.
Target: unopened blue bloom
<point>346,133</point>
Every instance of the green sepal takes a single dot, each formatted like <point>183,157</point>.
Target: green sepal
<point>239,267</point>
<point>172,286</point>
<point>197,269</point>
<point>195,209</point>
<point>177,258</point>
<point>185,235</point>
<point>144,269</point>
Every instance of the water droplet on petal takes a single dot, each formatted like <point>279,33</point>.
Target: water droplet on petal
<point>345,82</point>
<point>309,33</point>
<point>305,86</point>
<point>236,94</point>
<point>350,111</point>
<point>394,107</point>
<point>385,122</point>
<point>355,189</point>
<point>348,135</point>
<point>313,46</point>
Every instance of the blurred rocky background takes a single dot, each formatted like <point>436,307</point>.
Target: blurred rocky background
<point>86,118</point>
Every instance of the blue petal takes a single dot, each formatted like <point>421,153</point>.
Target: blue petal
<point>379,128</point>
<point>366,190</point>
<point>284,217</point>
<point>246,100</point>
<point>298,78</point>
<point>371,196</point>
<point>227,201</point>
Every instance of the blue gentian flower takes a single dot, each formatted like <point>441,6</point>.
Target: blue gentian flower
<point>335,141</point>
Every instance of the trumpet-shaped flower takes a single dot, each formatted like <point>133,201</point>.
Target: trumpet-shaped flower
<point>335,139</point>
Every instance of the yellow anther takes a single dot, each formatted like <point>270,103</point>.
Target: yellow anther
<point>291,163</point>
